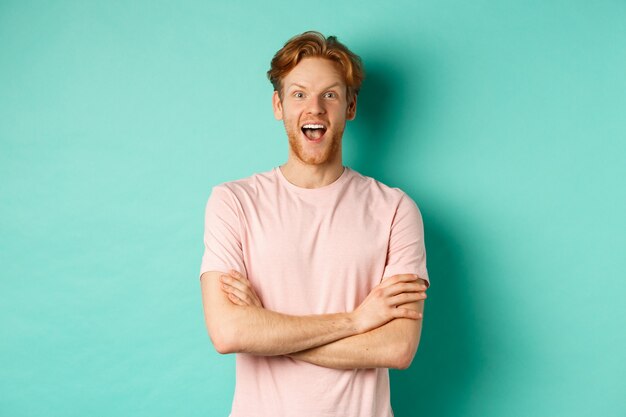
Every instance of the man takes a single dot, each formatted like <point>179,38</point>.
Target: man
<point>314,274</point>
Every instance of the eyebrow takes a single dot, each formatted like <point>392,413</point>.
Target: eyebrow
<point>304,87</point>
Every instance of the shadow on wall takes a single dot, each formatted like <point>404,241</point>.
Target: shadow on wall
<point>439,382</point>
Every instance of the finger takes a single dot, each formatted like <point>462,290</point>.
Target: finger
<point>404,287</point>
<point>406,313</point>
<point>227,288</point>
<point>236,273</point>
<point>406,297</point>
<point>235,300</point>
<point>400,278</point>
<point>236,282</point>
<point>255,300</point>
<point>245,298</point>
<point>242,295</point>
<point>243,285</point>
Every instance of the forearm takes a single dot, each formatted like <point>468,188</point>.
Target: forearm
<point>251,329</point>
<point>242,325</point>
<point>262,332</point>
<point>392,345</point>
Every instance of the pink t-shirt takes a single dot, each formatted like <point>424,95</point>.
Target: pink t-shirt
<point>311,251</point>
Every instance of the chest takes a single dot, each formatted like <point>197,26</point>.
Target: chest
<point>305,257</point>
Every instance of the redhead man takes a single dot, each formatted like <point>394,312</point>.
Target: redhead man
<point>313,274</point>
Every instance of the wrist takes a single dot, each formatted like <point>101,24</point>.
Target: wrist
<point>354,321</point>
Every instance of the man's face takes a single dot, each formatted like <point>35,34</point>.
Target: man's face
<point>314,108</point>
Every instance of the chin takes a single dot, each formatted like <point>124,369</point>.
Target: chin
<point>314,154</point>
<point>309,159</point>
<point>322,156</point>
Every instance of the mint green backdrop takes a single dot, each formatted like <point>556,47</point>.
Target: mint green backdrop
<point>504,120</point>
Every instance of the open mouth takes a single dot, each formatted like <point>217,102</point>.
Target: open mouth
<point>313,131</point>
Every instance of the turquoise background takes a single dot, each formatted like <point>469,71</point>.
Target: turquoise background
<point>504,120</point>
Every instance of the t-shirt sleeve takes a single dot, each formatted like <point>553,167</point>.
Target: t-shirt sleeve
<point>406,251</point>
<point>222,233</point>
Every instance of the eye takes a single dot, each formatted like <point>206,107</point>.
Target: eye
<point>330,94</point>
<point>298,94</point>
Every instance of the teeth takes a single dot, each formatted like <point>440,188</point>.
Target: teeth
<point>313,126</point>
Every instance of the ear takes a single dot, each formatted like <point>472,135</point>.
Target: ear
<point>351,110</point>
<point>277,106</point>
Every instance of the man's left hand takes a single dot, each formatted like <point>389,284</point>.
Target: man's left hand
<point>239,290</point>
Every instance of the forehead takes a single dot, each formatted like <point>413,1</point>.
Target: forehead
<point>315,72</point>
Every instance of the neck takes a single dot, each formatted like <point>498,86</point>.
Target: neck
<point>311,176</point>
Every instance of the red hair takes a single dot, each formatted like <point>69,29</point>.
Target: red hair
<point>314,44</point>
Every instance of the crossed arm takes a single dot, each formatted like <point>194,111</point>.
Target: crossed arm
<point>383,331</point>
<point>392,345</point>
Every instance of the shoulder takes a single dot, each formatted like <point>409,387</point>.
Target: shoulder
<point>244,187</point>
<point>379,191</point>
<point>232,197</point>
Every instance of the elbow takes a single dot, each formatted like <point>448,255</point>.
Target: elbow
<point>222,346</point>
<point>402,362</point>
<point>404,355</point>
<point>224,341</point>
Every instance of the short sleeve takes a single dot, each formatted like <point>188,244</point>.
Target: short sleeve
<point>406,251</point>
<point>222,233</point>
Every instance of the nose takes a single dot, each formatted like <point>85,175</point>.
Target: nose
<point>316,106</point>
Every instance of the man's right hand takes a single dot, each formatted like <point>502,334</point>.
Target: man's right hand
<point>383,302</point>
